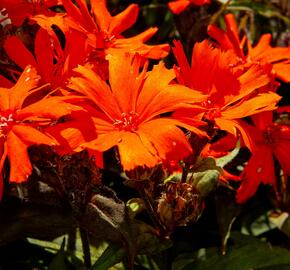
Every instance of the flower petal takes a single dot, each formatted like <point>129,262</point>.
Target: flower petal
<point>133,152</point>
<point>220,36</point>
<point>44,52</point>
<point>259,103</point>
<point>263,119</point>
<point>125,45</point>
<point>29,135</point>
<point>2,160</point>
<point>281,152</point>
<point>21,90</point>
<point>282,70</point>
<point>184,71</point>
<point>18,53</point>
<point>102,15</point>
<point>178,6</point>
<point>59,19</point>
<point>97,90</point>
<point>157,80</point>
<point>254,78</point>
<point>171,98</point>
<point>260,168</point>
<point>4,99</point>
<point>124,20</point>
<point>20,166</point>
<point>5,82</point>
<point>124,79</point>
<point>53,108</point>
<point>232,126</point>
<point>167,139</point>
<point>80,15</point>
<point>78,129</point>
<point>105,141</point>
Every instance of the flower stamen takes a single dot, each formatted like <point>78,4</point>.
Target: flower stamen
<point>128,121</point>
<point>6,122</point>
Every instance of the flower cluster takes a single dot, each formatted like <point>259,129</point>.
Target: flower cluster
<point>82,84</point>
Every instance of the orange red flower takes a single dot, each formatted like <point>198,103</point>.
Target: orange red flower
<point>110,98</point>
<point>231,96</point>
<point>53,63</point>
<point>127,113</point>
<point>273,140</point>
<point>19,10</point>
<point>104,32</point>
<point>21,122</point>
<point>261,54</point>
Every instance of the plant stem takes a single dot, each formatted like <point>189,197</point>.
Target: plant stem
<point>71,244</point>
<point>152,214</point>
<point>86,247</point>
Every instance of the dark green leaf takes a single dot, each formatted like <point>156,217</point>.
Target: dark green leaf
<point>275,267</point>
<point>60,261</point>
<point>111,256</point>
<point>226,210</point>
<point>247,253</point>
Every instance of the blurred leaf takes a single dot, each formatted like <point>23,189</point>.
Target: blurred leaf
<point>254,214</point>
<point>247,253</point>
<point>275,267</point>
<point>31,220</point>
<point>60,261</point>
<point>147,240</point>
<point>261,225</point>
<point>216,15</point>
<point>151,13</point>
<point>111,256</point>
<point>45,244</point>
<point>282,221</point>
<point>166,29</point>
<point>145,262</point>
<point>274,13</point>
<point>226,210</point>
<point>24,256</point>
<point>182,260</point>
<point>266,9</point>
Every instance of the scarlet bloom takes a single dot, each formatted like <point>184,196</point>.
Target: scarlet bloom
<point>19,10</point>
<point>21,122</point>
<point>104,32</point>
<point>180,5</point>
<point>231,96</point>
<point>273,140</point>
<point>261,54</point>
<point>52,63</point>
<point>127,113</point>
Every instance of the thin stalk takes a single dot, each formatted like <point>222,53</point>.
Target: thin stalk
<point>152,214</point>
<point>86,248</point>
<point>72,238</point>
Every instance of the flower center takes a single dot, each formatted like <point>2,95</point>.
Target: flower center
<point>212,112</point>
<point>128,121</point>
<point>108,39</point>
<point>40,2</point>
<point>6,122</point>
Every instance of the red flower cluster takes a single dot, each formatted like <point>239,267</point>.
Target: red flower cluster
<point>95,91</point>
